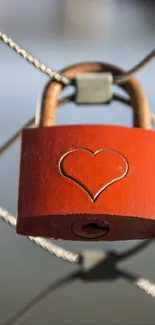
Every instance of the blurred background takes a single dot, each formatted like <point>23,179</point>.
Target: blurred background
<point>59,33</point>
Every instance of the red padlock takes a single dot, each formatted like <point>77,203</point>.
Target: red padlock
<point>88,182</point>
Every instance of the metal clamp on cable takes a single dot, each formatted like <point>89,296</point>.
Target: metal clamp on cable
<point>94,88</point>
<point>92,258</point>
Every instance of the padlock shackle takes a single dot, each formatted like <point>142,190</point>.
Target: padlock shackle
<point>132,87</point>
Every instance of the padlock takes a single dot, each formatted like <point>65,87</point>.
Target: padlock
<point>88,182</point>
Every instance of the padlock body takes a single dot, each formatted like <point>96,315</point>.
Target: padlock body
<point>87,182</point>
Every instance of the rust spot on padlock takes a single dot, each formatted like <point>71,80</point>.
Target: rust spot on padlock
<point>90,228</point>
<point>89,196</point>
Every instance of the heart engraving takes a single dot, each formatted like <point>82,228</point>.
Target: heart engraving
<point>93,171</point>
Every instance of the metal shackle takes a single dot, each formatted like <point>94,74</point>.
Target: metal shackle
<point>138,98</point>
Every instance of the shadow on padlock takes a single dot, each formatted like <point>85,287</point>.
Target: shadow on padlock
<point>88,182</point>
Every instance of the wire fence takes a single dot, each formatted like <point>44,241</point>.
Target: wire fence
<point>107,266</point>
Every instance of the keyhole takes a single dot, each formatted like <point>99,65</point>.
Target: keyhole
<point>90,228</point>
<point>94,228</point>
